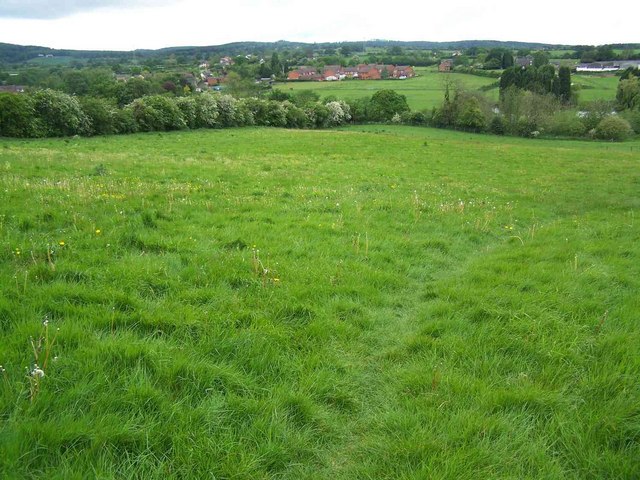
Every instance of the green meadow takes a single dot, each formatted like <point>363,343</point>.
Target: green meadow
<point>595,87</point>
<point>426,90</point>
<point>423,92</point>
<point>375,302</point>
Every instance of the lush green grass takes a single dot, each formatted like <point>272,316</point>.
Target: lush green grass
<point>596,87</point>
<point>427,90</point>
<point>423,92</point>
<point>435,305</point>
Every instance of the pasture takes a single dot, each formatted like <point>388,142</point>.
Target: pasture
<point>423,92</point>
<point>373,302</point>
<point>427,90</point>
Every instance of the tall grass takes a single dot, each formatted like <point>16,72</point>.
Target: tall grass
<point>369,303</point>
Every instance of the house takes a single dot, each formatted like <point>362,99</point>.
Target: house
<point>524,62</point>
<point>204,66</point>
<point>226,61</point>
<point>363,72</point>
<point>350,72</point>
<point>369,72</point>
<point>213,81</point>
<point>303,73</point>
<point>445,65</point>
<point>402,72</point>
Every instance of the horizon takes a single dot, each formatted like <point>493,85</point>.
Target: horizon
<point>116,25</point>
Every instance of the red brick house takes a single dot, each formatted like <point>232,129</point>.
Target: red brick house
<point>369,72</point>
<point>303,73</point>
<point>445,66</point>
<point>362,72</point>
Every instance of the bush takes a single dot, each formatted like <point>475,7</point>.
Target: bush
<point>593,112</point>
<point>101,115</point>
<point>207,111</point>
<point>385,104</point>
<point>498,126</point>
<point>228,111</point>
<point>296,117</point>
<point>359,109</point>
<point>470,116</point>
<point>157,113</point>
<point>566,124</point>
<point>526,127</point>
<point>60,114</point>
<point>188,108</point>
<point>17,116</point>
<point>613,128</point>
<point>338,113</point>
<point>414,118</point>
<point>633,117</point>
<point>318,115</point>
<point>124,121</point>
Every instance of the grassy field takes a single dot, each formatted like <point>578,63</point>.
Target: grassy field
<point>596,87</point>
<point>375,302</point>
<point>423,92</point>
<point>427,90</point>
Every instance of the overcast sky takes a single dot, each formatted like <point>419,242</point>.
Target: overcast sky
<point>131,24</point>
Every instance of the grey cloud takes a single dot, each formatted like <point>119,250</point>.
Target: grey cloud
<point>46,9</point>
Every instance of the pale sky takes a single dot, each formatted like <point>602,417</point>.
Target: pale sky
<point>131,24</point>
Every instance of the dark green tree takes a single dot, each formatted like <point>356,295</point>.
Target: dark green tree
<point>564,84</point>
<point>386,103</point>
<point>540,58</point>
<point>507,59</point>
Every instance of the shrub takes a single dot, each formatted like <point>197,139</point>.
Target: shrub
<point>526,127</point>
<point>207,111</point>
<point>414,118</point>
<point>304,98</point>
<point>633,117</point>
<point>124,121</point>
<point>17,116</point>
<point>470,116</point>
<point>498,126</point>
<point>359,109</point>
<point>593,112</point>
<point>318,115</point>
<point>613,128</point>
<point>156,113</point>
<point>60,114</point>
<point>566,124</point>
<point>385,104</point>
<point>101,115</point>
<point>296,117</point>
<point>228,111</point>
<point>338,113</point>
<point>188,108</point>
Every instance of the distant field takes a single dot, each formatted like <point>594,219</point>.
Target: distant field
<point>375,302</point>
<point>596,87</point>
<point>423,92</point>
<point>427,90</point>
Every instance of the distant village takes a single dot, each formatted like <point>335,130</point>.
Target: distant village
<point>331,73</point>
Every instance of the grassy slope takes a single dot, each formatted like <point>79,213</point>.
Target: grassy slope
<point>423,92</point>
<point>438,305</point>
